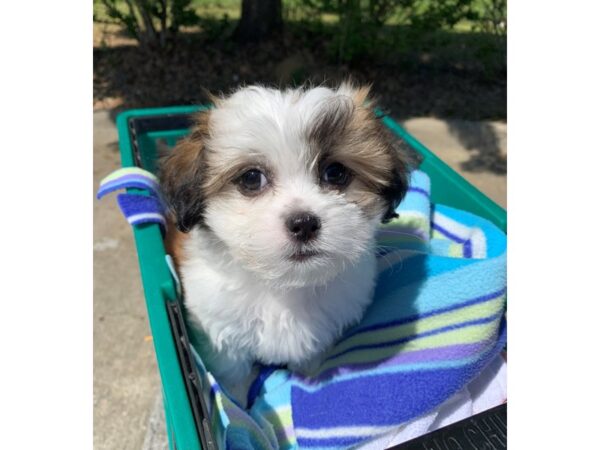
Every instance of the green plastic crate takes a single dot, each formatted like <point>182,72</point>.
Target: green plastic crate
<point>139,131</point>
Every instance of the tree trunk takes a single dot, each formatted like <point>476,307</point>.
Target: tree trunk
<point>260,19</point>
<point>149,32</point>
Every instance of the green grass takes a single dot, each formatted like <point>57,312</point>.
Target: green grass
<point>218,8</point>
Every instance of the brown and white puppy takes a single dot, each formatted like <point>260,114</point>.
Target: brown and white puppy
<point>277,196</point>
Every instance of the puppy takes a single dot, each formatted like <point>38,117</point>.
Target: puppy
<point>276,197</point>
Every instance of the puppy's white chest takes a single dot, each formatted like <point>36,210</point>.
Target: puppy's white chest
<point>244,318</point>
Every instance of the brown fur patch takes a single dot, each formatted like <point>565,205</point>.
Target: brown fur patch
<point>370,201</point>
<point>360,95</point>
<point>349,133</point>
<point>330,123</point>
<point>174,244</point>
<point>181,174</point>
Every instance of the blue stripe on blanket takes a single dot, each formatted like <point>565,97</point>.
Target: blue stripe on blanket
<point>340,442</point>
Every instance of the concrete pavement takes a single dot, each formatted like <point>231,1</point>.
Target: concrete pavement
<point>126,381</point>
<point>476,150</point>
<point>127,406</point>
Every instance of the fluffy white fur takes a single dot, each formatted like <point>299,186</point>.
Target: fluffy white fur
<point>253,302</point>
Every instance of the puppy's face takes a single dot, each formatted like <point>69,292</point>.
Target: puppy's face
<point>292,183</point>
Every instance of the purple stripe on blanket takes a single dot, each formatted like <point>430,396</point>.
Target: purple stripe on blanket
<point>448,234</point>
<point>138,184</point>
<point>259,381</point>
<point>127,181</point>
<point>419,190</point>
<point>414,317</point>
<point>404,340</point>
<point>447,353</point>
<point>142,209</point>
<point>132,204</point>
<point>468,249</point>
<point>468,245</point>
<point>335,442</point>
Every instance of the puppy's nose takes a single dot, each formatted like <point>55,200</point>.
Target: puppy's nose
<point>303,226</point>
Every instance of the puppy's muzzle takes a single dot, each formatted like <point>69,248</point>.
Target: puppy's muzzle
<point>303,226</point>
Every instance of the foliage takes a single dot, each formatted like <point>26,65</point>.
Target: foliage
<point>153,23</point>
<point>363,25</point>
<point>350,31</point>
<point>440,14</point>
<point>491,16</point>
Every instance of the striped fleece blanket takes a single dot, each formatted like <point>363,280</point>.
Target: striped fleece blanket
<point>139,208</point>
<point>436,321</point>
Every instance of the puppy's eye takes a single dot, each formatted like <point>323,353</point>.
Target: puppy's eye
<point>336,174</point>
<point>253,181</point>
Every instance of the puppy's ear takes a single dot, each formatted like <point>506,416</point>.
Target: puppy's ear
<point>398,184</point>
<point>181,177</point>
<point>397,151</point>
<point>387,152</point>
<point>400,161</point>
